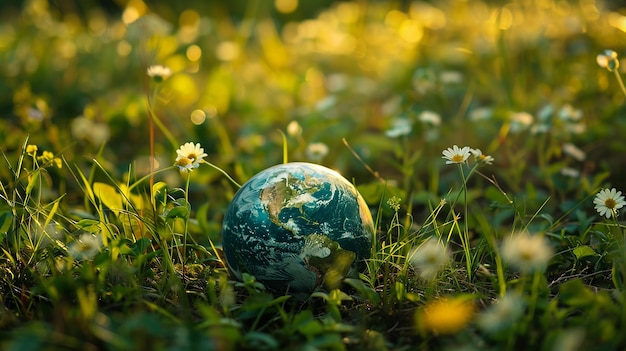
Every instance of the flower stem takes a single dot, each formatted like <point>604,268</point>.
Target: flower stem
<point>224,173</point>
<point>620,82</point>
<point>158,123</point>
<point>186,230</point>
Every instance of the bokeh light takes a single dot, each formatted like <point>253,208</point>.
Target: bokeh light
<point>198,117</point>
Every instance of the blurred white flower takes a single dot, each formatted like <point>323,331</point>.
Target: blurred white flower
<point>520,121</point>
<point>326,103</point>
<point>480,114</point>
<point>86,247</point>
<point>429,258</point>
<point>451,77</point>
<point>159,73</point>
<point>399,127</point>
<point>455,154</point>
<point>42,237</point>
<point>540,128</point>
<point>423,81</point>
<point>574,151</point>
<point>545,112</point>
<point>569,113</point>
<point>189,156</point>
<point>85,129</point>
<point>502,314</point>
<point>429,117</point>
<point>392,106</point>
<point>480,158</point>
<point>294,129</point>
<point>526,252</point>
<point>608,59</point>
<point>570,172</point>
<point>607,202</point>
<point>317,151</point>
<point>576,128</point>
<point>336,82</point>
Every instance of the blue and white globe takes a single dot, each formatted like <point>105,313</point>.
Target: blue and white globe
<point>293,225</point>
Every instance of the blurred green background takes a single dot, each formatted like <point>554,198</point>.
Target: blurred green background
<point>517,79</point>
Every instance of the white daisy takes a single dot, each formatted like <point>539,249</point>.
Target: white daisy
<point>608,202</point>
<point>455,154</point>
<point>189,156</point>
<point>480,158</point>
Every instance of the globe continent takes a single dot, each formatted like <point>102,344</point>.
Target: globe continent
<point>294,225</point>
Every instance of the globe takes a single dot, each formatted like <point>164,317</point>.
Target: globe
<point>296,225</point>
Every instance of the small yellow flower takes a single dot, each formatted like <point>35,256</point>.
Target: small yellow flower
<point>159,73</point>
<point>608,59</point>
<point>57,162</point>
<point>47,155</point>
<point>445,316</point>
<point>394,203</point>
<point>31,150</point>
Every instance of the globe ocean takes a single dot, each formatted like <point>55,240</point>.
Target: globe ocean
<point>294,225</point>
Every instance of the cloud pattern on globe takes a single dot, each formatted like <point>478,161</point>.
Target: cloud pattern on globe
<point>294,225</point>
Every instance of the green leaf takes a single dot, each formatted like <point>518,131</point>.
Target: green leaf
<point>583,251</point>
<point>201,216</point>
<point>159,192</point>
<point>178,212</point>
<point>260,341</point>
<point>89,225</point>
<point>547,217</point>
<point>575,293</point>
<point>399,291</point>
<point>141,245</point>
<point>182,210</point>
<point>32,182</point>
<point>306,324</point>
<point>6,218</point>
<point>109,196</point>
<point>366,292</point>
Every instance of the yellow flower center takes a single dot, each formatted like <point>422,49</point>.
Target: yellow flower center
<point>527,255</point>
<point>610,203</point>
<point>192,157</point>
<point>184,162</point>
<point>457,158</point>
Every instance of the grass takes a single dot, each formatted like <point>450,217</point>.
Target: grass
<point>106,245</point>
